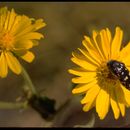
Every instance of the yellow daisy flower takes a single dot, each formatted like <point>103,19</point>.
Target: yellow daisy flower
<point>101,88</point>
<point>17,35</point>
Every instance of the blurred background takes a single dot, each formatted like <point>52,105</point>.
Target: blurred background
<point>67,23</point>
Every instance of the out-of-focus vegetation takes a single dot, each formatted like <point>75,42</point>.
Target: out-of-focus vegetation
<point>67,23</point>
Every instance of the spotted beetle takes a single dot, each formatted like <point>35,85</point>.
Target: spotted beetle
<point>119,70</point>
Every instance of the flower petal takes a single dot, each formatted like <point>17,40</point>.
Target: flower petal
<point>7,20</point>
<point>105,43</point>
<point>125,54</point>
<point>91,52</point>
<point>30,36</point>
<point>3,66</point>
<point>102,102</point>
<point>89,106</point>
<point>80,73</point>
<point>97,43</point>
<point>114,103</point>
<point>85,79</point>
<point>29,57</point>
<point>15,25</point>
<point>11,19</point>
<point>83,63</point>
<point>91,94</point>
<point>84,87</point>
<point>25,26</point>
<point>38,24</point>
<point>13,63</point>
<point>116,43</point>
<point>108,35</point>
<point>120,98</point>
<point>23,44</point>
<point>3,15</point>
<point>89,58</point>
<point>126,95</point>
<point>22,25</point>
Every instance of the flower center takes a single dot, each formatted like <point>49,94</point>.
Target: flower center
<point>105,75</point>
<point>6,41</point>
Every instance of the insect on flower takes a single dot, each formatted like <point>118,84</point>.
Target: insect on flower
<point>102,73</point>
<point>119,70</point>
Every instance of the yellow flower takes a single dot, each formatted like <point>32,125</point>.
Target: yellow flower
<point>17,35</point>
<point>101,89</point>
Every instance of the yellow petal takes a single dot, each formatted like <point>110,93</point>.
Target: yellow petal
<point>19,52</point>
<point>29,36</point>
<point>6,21</point>
<point>120,99</point>
<point>105,43</point>
<point>3,66</point>
<point>3,15</point>
<point>108,35</point>
<point>13,63</point>
<point>29,57</point>
<point>35,42</point>
<point>91,94</point>
<point>116,43</point>
<point>114,104</point>
<point>126,94</point>
<point>91,51</point>
<point>15,25</point>
<point>80,73</point>
<point>3,10</point>
<point>88,78</point>
<point>88,44</point>
<point>102,102</point>
<point>25,26</point>
<point>22,25</point>
<point>84,87</point>
<point>97,43</point>
<point>25,44</point>
<point>38,24</point>
<point>11,19</point>
<point>89,58</point>
<point>125,55</point>
<point>81,62</point>
<point>89,106</point>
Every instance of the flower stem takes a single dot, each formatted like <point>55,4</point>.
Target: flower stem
<point>10,105</point>
<point>28,81</point>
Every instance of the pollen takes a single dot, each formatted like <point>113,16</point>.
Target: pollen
<point>6,41</point>
<point>104,74</point>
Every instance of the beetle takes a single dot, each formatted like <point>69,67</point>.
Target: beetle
<point>119,70</point>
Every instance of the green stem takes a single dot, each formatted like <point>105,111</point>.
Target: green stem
<point>10,105</point>
<point>28,81</point>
